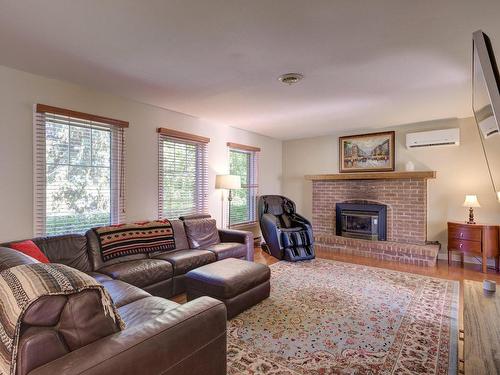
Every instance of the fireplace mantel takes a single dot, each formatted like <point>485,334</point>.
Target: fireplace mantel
<point>373,176</point>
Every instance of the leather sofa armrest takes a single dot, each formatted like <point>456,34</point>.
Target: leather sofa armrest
<point>240,236</point>
<point>190,339</point>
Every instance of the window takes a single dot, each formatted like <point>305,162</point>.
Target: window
<point>243,161</point>
<point>79,171</point>
<point>182,174</point>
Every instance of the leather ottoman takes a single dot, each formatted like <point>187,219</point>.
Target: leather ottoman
<point>240,284</point>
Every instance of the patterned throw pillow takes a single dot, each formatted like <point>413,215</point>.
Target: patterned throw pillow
<point>137,238</point>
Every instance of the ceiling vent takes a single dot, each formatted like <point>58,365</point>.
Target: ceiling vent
<point>290,78</point>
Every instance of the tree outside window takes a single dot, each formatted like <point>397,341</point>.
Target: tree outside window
<point>242,163</point>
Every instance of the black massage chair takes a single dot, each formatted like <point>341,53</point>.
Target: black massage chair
<point>288,235</point>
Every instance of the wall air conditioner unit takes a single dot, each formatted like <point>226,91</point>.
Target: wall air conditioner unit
<point>445,137</point>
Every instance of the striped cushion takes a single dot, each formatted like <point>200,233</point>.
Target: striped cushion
<point>137,238</point>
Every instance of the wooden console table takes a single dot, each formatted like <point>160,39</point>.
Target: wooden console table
<point>481,330</point>
<point>474,239</point>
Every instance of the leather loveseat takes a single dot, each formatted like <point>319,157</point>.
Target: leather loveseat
<point>66,335</point>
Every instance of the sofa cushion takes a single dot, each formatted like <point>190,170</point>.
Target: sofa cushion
<point>225,250</point>
<point>201,232</point>
<point>55,325</point>
<point>123,293</point>
<point>145,309</point>
<point>45,311</point>
<point>38,346</point>
<point>142,272</point>
<point>186,260</point>
<point>68,249</point>
<point>181,241</point>
<point>29,248</point>
<point>100,277</point>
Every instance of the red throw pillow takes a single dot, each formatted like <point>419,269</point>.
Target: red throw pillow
<point>29,248</point>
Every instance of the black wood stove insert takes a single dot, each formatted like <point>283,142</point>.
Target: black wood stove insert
<point>360,220</point>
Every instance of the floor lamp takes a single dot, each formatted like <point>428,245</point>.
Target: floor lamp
<point>227,182</point>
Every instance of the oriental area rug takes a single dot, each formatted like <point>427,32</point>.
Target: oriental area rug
<point>328,317</point>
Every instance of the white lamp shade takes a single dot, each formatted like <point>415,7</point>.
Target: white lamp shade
<point>227,181</point>
<point>471,201</point>
<point>498,196</point>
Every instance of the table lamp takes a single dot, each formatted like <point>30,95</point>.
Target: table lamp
<point>227,182</point>
<point>471,202</point>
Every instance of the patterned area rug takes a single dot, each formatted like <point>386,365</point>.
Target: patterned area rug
<point>328,317</point>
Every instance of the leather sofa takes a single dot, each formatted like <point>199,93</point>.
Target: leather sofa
<point>160,274</point>
<point>66,335</point>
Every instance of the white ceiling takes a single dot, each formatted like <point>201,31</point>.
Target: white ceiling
<point>367,64</point>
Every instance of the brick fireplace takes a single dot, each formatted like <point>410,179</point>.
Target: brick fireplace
<point>405,196</point>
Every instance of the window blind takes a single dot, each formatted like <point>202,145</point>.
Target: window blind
<point>182,174</point>
<point>243,161</point>
<point>79,172</point>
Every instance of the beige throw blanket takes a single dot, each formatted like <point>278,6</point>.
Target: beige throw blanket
<point>23,285</point>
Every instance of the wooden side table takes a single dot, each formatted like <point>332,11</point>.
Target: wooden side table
<point>474,239</point>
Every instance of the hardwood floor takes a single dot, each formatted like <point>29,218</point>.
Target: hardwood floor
<point>260,256</point>
<point>455,271</point>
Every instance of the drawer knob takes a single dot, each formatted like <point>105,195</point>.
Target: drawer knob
<point>461,244</point>
<point>461,234</point>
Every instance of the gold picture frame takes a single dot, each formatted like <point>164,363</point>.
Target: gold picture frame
<point>373,152</point>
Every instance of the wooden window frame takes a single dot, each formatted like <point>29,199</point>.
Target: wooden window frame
<point>253,172</point>
<point>43,115</point>
<point>201,201</point>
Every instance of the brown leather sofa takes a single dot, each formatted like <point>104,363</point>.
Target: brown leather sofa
<point>163,273</point>
<point>71,335</point>
<point>68,335</point>
<point>160,274</point>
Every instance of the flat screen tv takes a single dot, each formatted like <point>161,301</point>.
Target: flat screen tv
<point>486,102</point>
<point>485,85</point>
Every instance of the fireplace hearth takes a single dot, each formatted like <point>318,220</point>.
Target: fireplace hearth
<point>405,196</point>
<point>361,220</point>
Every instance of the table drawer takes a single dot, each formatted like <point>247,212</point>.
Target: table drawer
<point>465,233</point>
<point>464,245</point>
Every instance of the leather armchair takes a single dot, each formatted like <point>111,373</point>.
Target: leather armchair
<point>288,235</point>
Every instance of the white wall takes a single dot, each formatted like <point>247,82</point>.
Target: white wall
<point>460,170</point>
<point>20,90</point>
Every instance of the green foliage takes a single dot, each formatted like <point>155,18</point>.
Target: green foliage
<point>77,223</point>
<point>240,166</point>
<point>179,181</point>
<point>78,173</point>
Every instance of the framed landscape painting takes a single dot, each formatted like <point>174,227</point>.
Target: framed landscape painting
<point>372,152</point>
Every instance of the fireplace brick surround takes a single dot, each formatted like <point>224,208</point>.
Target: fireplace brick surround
<point>404,193</point>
